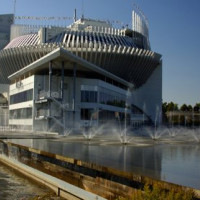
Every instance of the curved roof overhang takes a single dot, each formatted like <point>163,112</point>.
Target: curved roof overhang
<point>130,64</point>
<point>67,57</point>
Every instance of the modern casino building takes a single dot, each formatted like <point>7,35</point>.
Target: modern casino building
<point>83,75</point>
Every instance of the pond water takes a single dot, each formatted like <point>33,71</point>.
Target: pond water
<point>175,162</point>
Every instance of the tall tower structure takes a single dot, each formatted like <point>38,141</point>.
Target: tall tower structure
<point>5,25</point>
<point>140,27</point>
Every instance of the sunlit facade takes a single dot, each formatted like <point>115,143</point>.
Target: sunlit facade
<point>83,75</point>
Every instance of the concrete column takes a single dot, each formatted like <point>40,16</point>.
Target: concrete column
<point>74,93</point>
<point>50,78</point>
<point>62,93</point>
<point>62,81</point>
<point>50,88</point>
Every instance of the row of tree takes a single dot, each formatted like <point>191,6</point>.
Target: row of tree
<point>190,115</point>
<point>166,107</point>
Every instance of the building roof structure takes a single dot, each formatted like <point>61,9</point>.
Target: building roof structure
<point>116,51</point>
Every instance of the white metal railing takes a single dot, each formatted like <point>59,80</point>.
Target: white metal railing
<point>42,113</point>
<point>61,105</point>
<point>7,128</point>
<point>46,94</point>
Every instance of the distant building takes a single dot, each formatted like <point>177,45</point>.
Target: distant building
<point>85,75</point>
<point>5,26</point>
<point>6,21</point>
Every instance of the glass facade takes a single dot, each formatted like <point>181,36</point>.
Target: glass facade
<point>108,98</point>
<point>104,96</point>
<point>22,113</point>
<point>89,96</point>
<point>89,114</point>
<point>113,100</point>
<point>136,110</point>
<point>21,97</point>
<point>106,115</point>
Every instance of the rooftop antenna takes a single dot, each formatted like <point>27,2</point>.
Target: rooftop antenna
<point>82,9</point>
<point>75,15</point>
<point>14,10</point>
<point>14,7</point>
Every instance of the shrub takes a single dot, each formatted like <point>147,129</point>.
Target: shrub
<point>157,192</point>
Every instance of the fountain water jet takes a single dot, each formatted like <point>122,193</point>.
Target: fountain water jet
<point>67,132</point>
<point>123,134</point>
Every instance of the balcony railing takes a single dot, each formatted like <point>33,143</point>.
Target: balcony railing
<point>47,94</point>
<point>42,114</point>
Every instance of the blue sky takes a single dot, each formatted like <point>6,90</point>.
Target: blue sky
<point>174,33</point>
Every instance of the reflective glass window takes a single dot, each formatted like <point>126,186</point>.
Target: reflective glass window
<point>21,97</point>
<point>22,113</point>
<point>89,96</point>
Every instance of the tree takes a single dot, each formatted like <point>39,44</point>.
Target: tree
<point>184,107</point>
<point>190,108</point>
<point>197,107</point>
<point>164,107</point>
<point>172,106</point>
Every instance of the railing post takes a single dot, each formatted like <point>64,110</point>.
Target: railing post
<point>62,81</point>
<point>50,88</point>
<point>62,93</point>
<point>58,191</point>
<point>74,93</point>
<point>50,78</point>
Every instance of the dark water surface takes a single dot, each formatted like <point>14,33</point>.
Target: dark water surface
<point>175,163</point>
<point>16,187</point>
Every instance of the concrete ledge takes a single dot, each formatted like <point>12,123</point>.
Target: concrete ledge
<point>61,188</point>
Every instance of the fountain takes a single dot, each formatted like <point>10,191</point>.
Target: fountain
<point>87,133</point>
<point>67,131</point>
<point>123,134</point>
<point>123,139</point>
<point>146,150</point>
<point>195,134</point>
<point>157,132</point>
<point>90,131</point>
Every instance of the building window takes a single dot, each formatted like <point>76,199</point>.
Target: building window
<point>88,96</point>
<point>86,114</point>
<point>89,114</point>
<point>22,113</point>
<point>106,116</point>
<point>21,97</point>
<point>113,100</point>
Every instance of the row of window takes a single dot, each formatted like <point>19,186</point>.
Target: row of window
<point>88,114</point>
<point>89,96</point>
<point>110,115</point>
<point>21,97</point>
<point>104,115</point>
<point>92,97</point>
<point>22,113</point>
<point>112,100</point>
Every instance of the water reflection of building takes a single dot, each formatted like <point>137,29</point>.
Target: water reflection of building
<point>83,75</point>
<point>138,160</point>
